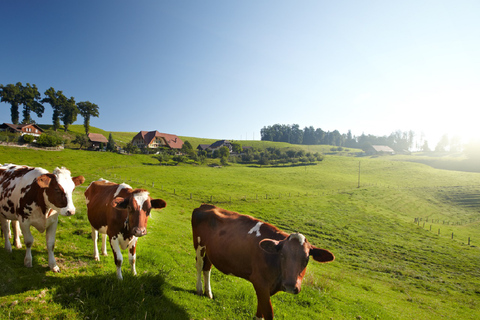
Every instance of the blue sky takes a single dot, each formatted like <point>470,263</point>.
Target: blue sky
<point>226,69</point>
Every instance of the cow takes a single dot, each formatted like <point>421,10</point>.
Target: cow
<point>34,197</point>
<point>121,212</point>
<point>259,252</point>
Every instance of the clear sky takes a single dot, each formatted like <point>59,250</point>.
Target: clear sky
<point>225,69</point>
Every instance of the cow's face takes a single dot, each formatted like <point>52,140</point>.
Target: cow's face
<point>58,188</point>
<point>138,204</point>
<point>294,253</point>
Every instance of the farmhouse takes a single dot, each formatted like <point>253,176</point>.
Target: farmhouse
<point>221,143</point>
<point>376,149</point>
<point>155,139</point>
<point>95,141</point>
<point>31,129</point>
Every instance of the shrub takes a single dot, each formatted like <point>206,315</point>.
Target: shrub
<point>28,138</point>
<point>48,140</point>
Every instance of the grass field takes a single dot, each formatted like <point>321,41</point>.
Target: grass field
<point>387,266</point>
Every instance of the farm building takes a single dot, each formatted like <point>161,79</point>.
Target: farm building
<point>376,149</point>
<point>221,143</point>
<point>155,139</point>
<point>96,140</point>
<point>31,129</point>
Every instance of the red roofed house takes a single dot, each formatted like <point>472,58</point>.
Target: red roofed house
<point>31,128</point>
<point>155,139</point>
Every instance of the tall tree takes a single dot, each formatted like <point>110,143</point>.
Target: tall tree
<point>69,113</point>
<point>11,94</point>
<point>29,98</point>
<point>57,100</point>
<point>87,110</point>
<point>110,144</point>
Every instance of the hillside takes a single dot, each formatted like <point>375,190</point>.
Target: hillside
<point>396,257</point>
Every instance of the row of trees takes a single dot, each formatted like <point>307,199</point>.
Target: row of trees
<point>399,140</point>
<point>64,109</point>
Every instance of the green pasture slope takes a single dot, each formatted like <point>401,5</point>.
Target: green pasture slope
<point>386,267</point>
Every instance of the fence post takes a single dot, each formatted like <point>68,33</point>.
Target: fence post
<point>468,240</point>
<point>452,235</point>
<point>439,231</point>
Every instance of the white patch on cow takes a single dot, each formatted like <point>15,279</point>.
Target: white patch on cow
<point>64,179</point>
<point>256,229</point>
<point>300,237</point>
<point>198,240</point>
<point>120,188</point>
<point>140,198</point>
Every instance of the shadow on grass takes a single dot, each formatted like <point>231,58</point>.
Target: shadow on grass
<point>87,296</point>
<point>106,297</point>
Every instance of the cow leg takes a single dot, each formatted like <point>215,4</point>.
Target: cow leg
<point>16,234</point>
<point>264,305</point>
<point>6,233</point>
<point>204,265</point>
<point>28,239</point>
<point>117,256</point>
<point>207,269</point>
<point>132,255</point>
<point>50,237</point>
<point>96,256</point>
<point>104,244</point>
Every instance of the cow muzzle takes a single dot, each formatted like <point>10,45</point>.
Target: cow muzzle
<point>67,212</point>
<point>139,232</point>
<point>291,288</point>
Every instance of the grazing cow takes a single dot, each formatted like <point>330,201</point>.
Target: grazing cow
<point>33,196</point>
<point>120,212</point>
<point>237,244</point>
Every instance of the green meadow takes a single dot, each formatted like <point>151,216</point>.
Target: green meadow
<point>406,237</point>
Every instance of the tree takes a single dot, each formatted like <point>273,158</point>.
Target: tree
<point>57,100</point>
<point>11,94</point>
<point>442,144</point>
<point>111,143</point>
<point>69,113</point>
<point>81,140</point>
<point>131,148</point>
<point>87,110</point>
<point>29,97</point>
<point>236,147</point>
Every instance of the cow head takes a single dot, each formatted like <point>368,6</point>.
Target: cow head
<point>58,188</point>
<point>294,253</point>
<point>138,204</point>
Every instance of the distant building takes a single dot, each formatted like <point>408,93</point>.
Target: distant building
<point>221,143</point>
<point>96,141</point>
<point>376,149</point>
<point>155,139</point>
<point>31,128</point>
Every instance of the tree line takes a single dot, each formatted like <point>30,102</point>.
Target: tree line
<point>64,109</point>
<point>399,140</point>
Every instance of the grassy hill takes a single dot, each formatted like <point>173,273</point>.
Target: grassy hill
<point>388,264</point>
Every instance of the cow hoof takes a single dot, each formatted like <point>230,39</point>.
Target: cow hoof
<point>97,258</point>
<point>209,295</point>
<point>18,246</point>
<point>56,269</point>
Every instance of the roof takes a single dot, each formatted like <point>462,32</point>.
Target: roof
<point>97,137</point>
<point>203,146</point>
<point>171,140</point>
<point>219,143</point>
<point>18,127</point>
<point>378,148</point>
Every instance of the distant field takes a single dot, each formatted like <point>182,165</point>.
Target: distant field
<point>387,266</point>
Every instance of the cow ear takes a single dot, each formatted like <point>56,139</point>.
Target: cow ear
<point>158,203</point>
<point>120,203</point>
<point>44,181</point>
<point>269,246</point>
<point>321,255</point>
<point>78,180</point>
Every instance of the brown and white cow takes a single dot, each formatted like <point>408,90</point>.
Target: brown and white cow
<point>237,244</point>
<point>33,196</point>
<point>121,212</point>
